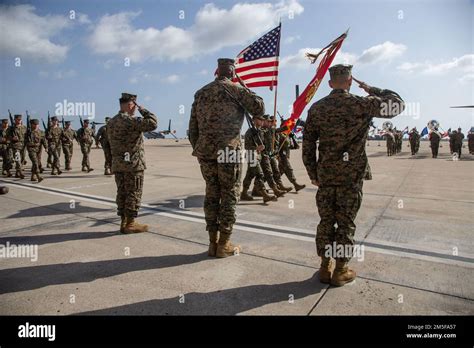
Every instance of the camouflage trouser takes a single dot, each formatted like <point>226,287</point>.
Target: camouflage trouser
<point>390,147</point>
<point>85,149</point>
<point>275,169</point>
<point>68,149</point>
<point>38,156</point>
<point>470,145</point>
<point>413,148</point>
<point>49,161</point>
<point>54,150</point>
<point>457,148</point>
<point>23,155</point>
<point>108,156</point>
<point>254,172</point>
<point>285,167</point>
<point>434,148</point>
<point>222,194</point>
<point>6,164</point>
<point>267,170</point>
<point>33,155</point>
<point>15,157</point>
<point>129,193</point>
<point>337,205</point>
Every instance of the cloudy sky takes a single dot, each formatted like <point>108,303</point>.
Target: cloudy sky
<point>165,50</point>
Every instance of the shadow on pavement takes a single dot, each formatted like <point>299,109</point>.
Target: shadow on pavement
<point>56,209</point>
<point>221,302</point>
<point>55,238</point>
<point>29,278</point>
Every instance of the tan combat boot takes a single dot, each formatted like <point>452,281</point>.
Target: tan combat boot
<point>244,196</point>
<point>84,168</point>
<point>107,171</point>
<point>213,239</point>
<point>225,248</point>
<point>325,271</point>
<point>342,274</point>
<point>277,192</point>
<point>89,169</point>
<point>33,177</point>
<point>131,226</point>
<point>282,187</point>
<point>20,175</point>
<point>267,197</point>
<point>40,178</point>
<point>297,186</point>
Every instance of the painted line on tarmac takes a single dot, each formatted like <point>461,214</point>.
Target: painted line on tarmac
<point>253,227</point>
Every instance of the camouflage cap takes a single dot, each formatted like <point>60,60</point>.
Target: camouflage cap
<point>54,118</point>
<point>340,70</point>
<point>17,116</point>
<point>107,118</point>
<point>222,62</point>
<point>127,97</point>
<point>266,117</point>
<point>67,122</point>
<point>35,121</point>
<point>86,121</point>
<point>271,118</point>
<point>4,120</point>
<point>259,117</point>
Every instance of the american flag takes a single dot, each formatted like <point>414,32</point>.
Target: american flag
<point>257,65</point>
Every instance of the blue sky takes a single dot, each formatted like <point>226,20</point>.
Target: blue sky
<point>421,49</point>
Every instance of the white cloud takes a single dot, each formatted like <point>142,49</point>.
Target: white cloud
<point>463,64</point>
<point>82,18</point>
<point>28,35</point>
<point>116,35</point>
<point>203,72</point>
<point>58,75</point>
<point>469,78</point>
<point>384,52</point>
<point>291,39</point>
<point>376,54</point>
<point>172,79</point>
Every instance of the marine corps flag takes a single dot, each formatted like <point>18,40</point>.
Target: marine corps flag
<point>308,93</point>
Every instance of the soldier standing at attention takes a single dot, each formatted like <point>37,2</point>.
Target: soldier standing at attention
<point>34,141</point>
<point>274,139</point>
<point>457,144</point>
<point>54,145</point>
<point>414,138</point>
<point>340,122</point>
<point>435,138</point>
<point>125,135</point>
<point>104,142</point>
<point>67,140</point>
<point>254,169</point>
<point>85,137</point>
<point>470,141</point>
<point>4,147</point>
<point>216,120</point>
<point>16,138</point>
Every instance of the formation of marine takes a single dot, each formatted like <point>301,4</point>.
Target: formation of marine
<point>333,153</point>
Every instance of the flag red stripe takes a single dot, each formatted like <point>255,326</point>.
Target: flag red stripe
<point>262,84</point>
<point>259,74</point>
<point>256,66</point>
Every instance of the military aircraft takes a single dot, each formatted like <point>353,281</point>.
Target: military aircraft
<point>161,134</point>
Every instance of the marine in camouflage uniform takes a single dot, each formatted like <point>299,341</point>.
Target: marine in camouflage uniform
<point>16,138</point>
<point>470,142</point>
<point>435,138</point>
<point>101,139</point>
<point>390,137</point>
<point>414,139</point>
<point>125,135</point>
<point>216,120</point>
<point>34,141</point>
<point>341,122</point>
<point>54,136</point>
<point>254,144</point>
<point>284,164</point>
<point>85,137</point>
<point>267,154</point>
<point>67,141</point>
<point>457,142</point>
<point>6,165</point>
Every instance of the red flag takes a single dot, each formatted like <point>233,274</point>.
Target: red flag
<point>308,93</point>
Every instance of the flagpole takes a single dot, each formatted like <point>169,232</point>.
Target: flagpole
<point>276,88</point>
